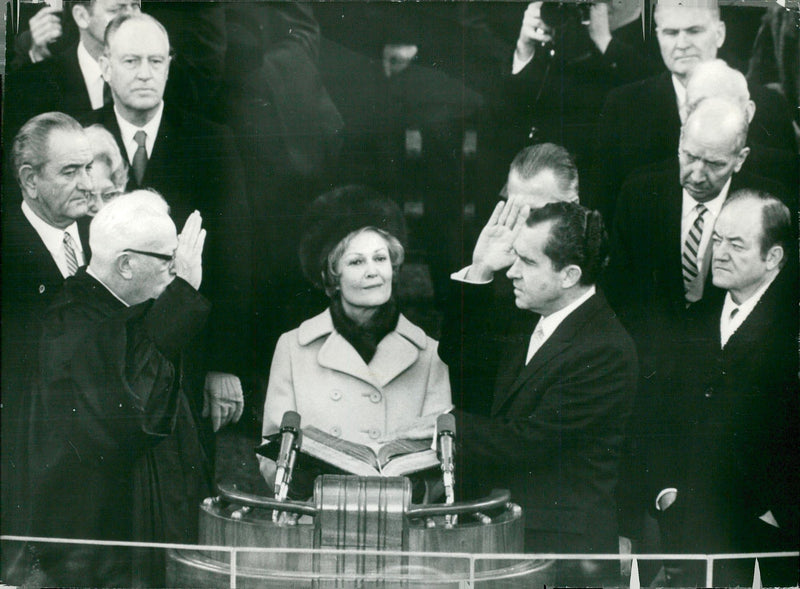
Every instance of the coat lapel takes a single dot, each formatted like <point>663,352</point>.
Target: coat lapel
<point>565,335</point>
<point>396,352</point>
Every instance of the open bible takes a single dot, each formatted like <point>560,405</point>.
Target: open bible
<point>395,458</point>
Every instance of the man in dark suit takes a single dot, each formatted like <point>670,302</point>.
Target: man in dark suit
<point>640,122</point>
<point>661,257</point>
<point>562,395</point>
<point>725,478</point>
<point>193,163</point>
<point>70,81</point>
<point>43,243</point>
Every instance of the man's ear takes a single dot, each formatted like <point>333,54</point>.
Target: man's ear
<point>741,157</point>
<point>570,276</point>
<point>105,67</point>
<point>720,33</point>
<point>750,109</point>
<point>81,16</point>
<point>123,266</point>
<point>774,256</point>
<point>28,179</point>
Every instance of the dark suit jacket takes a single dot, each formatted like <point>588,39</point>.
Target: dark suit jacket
<point>729,437</point>
<point>640,125</point>
<point>195,166</point>
<point>555,427</point>
<point>644,281</point>
<point>30,282</point>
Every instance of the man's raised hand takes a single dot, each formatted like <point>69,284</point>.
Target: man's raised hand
<point>189,255</point>
<point>493,251</point>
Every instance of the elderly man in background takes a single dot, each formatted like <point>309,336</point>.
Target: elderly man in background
<point>114,452</point>
<point>640,122</point>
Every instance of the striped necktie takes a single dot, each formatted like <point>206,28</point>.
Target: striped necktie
<point>70,254</point>
<point>691,248</point>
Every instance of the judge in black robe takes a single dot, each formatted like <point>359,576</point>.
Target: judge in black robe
<point>114,450</point>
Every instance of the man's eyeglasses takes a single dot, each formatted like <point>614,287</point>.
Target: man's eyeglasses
<point>165,257</point>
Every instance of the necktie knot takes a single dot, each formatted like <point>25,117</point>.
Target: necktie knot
<point>140,137</point>
<point>701,210</point>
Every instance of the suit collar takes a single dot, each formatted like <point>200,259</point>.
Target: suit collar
<point>396,352</point>
<point>566,334</point>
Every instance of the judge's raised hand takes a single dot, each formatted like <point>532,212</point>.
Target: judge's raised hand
<point>223,399</point>
<point>189,255</point>
<point>45,27</point>
<point>493,251</point>
<point>533,32</point>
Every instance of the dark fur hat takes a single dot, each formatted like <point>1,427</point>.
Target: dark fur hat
<point>334,215</point>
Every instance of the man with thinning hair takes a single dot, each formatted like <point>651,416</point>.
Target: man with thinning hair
<point>640,122</point>
<point>114,452</point>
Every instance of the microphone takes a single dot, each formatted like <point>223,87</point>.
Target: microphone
<point>446,432</point>
<point>290,432</point>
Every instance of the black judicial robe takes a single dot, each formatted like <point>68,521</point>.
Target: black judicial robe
<point>114,450</point>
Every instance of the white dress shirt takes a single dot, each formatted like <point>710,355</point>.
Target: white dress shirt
<point>729,324</point>
<point>549,324</point>
<point>92,76</point>
<point>53,239</point>
<point>688,216</point>
<point>128,131</point>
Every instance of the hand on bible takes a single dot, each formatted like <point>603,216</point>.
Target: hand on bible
<point>421,428</point>
<point>189,255</point>
<point>493,250</point>
<point>223,399</point>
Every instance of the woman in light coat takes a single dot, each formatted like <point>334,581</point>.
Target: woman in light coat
<point>359,370</point>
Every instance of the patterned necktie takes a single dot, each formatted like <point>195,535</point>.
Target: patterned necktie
<point>140,157</point>
<point>691,248</point>
<point>69,252</point>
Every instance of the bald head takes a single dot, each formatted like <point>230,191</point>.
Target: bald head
<point>715,79</point>
<point>712,147</point>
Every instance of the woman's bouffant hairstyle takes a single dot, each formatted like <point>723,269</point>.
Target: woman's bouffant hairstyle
<point>334,217</point>
<point>577,237</point>
<point>331,271</point>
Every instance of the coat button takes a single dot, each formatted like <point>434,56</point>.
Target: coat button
<point>336,431</point>
<point>336,394</point>
<point>376,397</point>
<point>41,288</point>
<point>374,433</point>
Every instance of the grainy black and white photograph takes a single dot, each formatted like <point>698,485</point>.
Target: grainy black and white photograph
<point>400,294</point>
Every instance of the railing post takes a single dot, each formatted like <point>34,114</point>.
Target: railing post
<point>234,555</point>
<point>709,571</point>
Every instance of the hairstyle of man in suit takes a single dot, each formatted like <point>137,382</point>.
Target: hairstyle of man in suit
<point>109,170</point>
<point>135,63</point>
<point>93,17</point>
<point>712,147</point>
<point>540,174</point>
<point>751,240</point>
<point>560,253</point>
<point>52,160</point>
<point>688,34</point>
<point>134,244</point>
<point>716,78</point>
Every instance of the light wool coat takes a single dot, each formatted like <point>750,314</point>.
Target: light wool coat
<point>316,372</point>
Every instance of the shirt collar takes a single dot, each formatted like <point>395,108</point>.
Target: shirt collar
<point>127,131</point>
<point>550,323</point>
<point>714,205</point>
<point>680,92</point>
<point>53,237</point>
<point>108,288</point>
